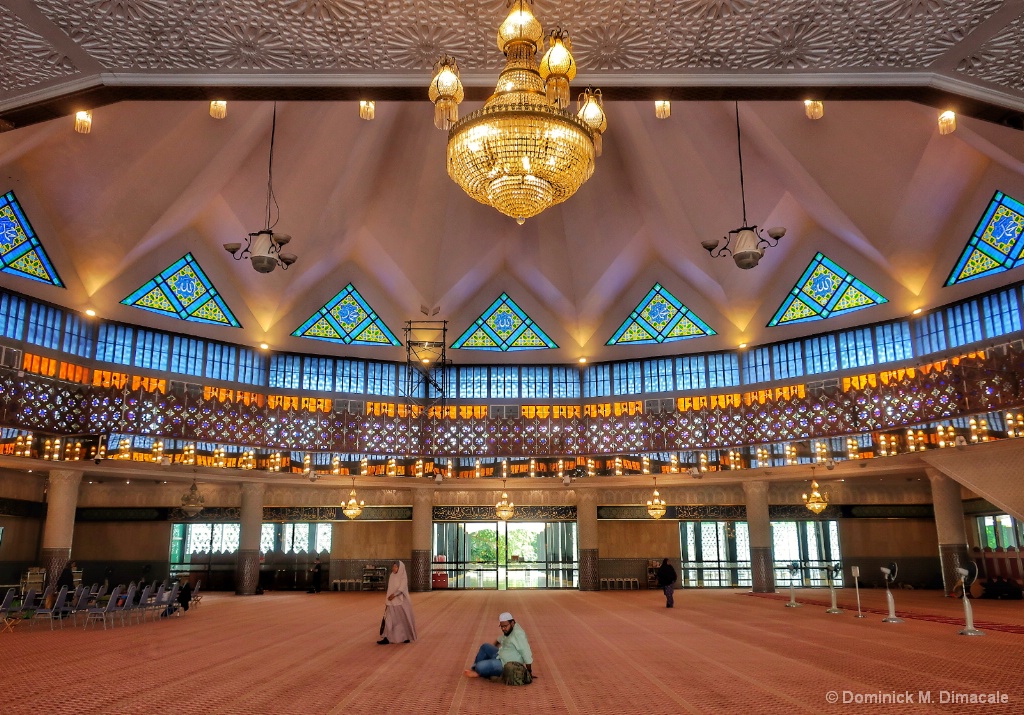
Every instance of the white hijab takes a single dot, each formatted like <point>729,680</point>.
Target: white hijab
<point>398,585</point>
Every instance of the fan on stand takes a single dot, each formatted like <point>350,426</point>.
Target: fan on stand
<point>794,570</point>
<point>855,574</point>
<point>830,573</point>
<point>890,578</point>
<point>968,574</point>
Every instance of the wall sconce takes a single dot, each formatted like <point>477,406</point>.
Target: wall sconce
<point>662,108</point>
<point>814,108</point>
<point>83,121</point>
<point>947,122</point>
<point>366,109</point>
<point>218,109</point>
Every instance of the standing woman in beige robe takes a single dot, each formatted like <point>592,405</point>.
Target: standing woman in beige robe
<point>399,621</point>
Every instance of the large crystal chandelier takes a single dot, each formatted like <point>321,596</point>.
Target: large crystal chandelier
<point>504,509</point>
<point>353,507</point>
<point>656,505</point>
<point>522,151</point>
<point>192,501</point>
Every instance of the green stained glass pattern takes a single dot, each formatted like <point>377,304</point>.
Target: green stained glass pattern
<point>183,291</point>
<point>323,329</point>
<point>996,245</point>
<point>504,327</point>
<point>373,335</point>
<point>21,252</point>
<point>155,300</point>
<point>210,312</point>
<point>347,318</point>
<point>659,318</point>
<point>825,289</point>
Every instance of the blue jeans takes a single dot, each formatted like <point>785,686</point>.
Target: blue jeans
<point>487,664</point>
<point>669,601</point>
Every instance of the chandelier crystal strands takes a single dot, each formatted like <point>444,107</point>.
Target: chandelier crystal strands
<point>656,505</point>
<point>263,248</point>
<point>745,244</point>
<point>504,509</point>
<point>192,500</point>
<point>522,151</point>
<point>353,508</point>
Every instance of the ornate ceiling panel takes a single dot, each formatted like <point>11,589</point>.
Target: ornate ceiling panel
<point>361,35</point>
<point>26,57</point>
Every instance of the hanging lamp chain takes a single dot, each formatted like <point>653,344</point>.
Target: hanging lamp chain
<point>271,198</point>
<point>739,151</point>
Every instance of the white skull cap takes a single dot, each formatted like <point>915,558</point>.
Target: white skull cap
<point>506,616</point>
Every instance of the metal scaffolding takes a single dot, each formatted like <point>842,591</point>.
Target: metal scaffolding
<point>426,363</point>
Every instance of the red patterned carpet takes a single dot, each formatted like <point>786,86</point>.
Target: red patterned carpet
<point>621,652</point>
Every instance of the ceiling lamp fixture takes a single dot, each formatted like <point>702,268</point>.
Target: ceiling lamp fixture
<point>353,508</point>
<point>522,151</point>
<point>662,108</point>
<point>83,121</point>
<point>366,109</point>
<point>947,122</point>
<point>656,505</point>
<point>504,509</point>
<point>263,247</point>
<point>218,109</point>
<point>192,500</point>
<point>745,244</point>
<point>814,108</point>
<point>815,501</point>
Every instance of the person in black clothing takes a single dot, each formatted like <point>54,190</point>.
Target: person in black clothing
<point>67,577</point>
<point>667,581</point>
<point>314,573</point>
<point>185,595</point>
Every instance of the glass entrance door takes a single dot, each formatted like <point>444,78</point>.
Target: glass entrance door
<point>500,555</point>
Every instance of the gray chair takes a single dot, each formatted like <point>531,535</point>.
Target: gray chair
<point>6,609</point>
<point>101,613</point>
<point>80,604</point>
<point>126,603</point>
<point>53,612</point>
<point>155,603</point>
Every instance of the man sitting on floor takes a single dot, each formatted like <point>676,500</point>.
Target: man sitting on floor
<point>510,656</point>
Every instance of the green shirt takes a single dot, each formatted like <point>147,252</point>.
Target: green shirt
<point>515,647</point>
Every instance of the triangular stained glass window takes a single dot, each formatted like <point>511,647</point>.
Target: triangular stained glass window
<point>21,253</point>
<point>504,327</point>
<point>996,244</point>
<point>347,318</point>
<point>183,291</point>
<point>659,318</point>
<point>825,289</point>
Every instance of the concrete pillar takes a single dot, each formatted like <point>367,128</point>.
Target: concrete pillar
<point>949,523</point>
<point>422,538</point>
<point>759,526</point>
<point>247,567</point>
<point>59,529</point>
<point>586,532</point>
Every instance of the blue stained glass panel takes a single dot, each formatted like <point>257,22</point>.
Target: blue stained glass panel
<point>659,318</point>
<point>504,327</point>
<point>21,253</point>
<point>347,318</point>
<point>183,291</point>
<point>825,289</point>
<point>996,245</point>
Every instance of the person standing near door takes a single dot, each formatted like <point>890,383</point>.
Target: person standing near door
<point>667,581</point>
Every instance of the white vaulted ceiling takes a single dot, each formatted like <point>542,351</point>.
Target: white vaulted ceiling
<point>872,185</point>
